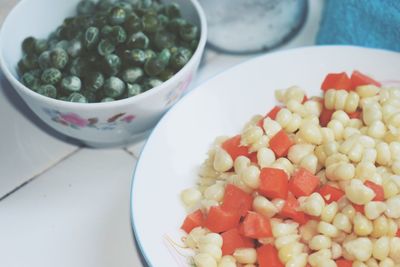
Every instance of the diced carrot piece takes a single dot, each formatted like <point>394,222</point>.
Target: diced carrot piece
<point>398,233</point>
<point>344,263</point>
<point>255,226</point>
<point>271,114</point>
<point>358,79</point>
<point>273,183</point>
<point>330,193</point>
<point>193,220</point>
<point>219,220</point>
<point>336,81</point>
<point>267,256</point>
<point>253,157</point>
<point>233,147</point>
<point>290,210</point>
<point>236,200</point>
<point>325,116</point>
<point>303,183</point>
<point>359,208</point>
<point>280,143</point>
<point>378,190</point>
<point>355,115</point>
<point>232,240</point>
<point>305,99</point>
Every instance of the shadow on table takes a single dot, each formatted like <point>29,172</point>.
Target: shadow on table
<point>16,101</point>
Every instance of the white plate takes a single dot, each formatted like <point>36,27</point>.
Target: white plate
<point>221,106</point>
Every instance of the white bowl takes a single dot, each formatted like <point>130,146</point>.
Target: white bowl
<point>178,145</point>
<point>96,124</point>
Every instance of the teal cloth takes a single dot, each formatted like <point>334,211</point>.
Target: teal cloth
<point>370,23</point>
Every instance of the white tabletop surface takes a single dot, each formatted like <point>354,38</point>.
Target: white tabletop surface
<point>66,205</point>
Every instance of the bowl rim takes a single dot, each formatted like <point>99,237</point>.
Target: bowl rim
<point>130,100</point>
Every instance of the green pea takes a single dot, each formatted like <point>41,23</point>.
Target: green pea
<point>105,47</point>
<point>75,48</point>
<point>78,67</point>
<point>86,7</point>
<point>166,74</point>
<point>44,60</point>
<point>94,81</point>
<point>117,16</point>
<point>138,40</point>
<point>154,66</point>
<point>133,23</point>
<point>41,46</point>
<point>175,24</point>
<point>29,45</point>
<point>92,37</point>
<point>117,35</point>
<point>150,23</point>
<point>62,44</point>
<point>90,96</point>
<point>59,58</point>
<point>77,98</point>
<point>146,3</point>
<point>165,56</point>
<point>133,89</point>
<point>100,20</point>
<point>48,90</point>
<point>51,76</point>
<point>188,32</point>
<point>164,39</point>
<point>172,10</point>
<point>150,54</point>
<point>28,62</point>
<point>125,6</point>
<point>30,80</point>
<point>151,83</point>
<point>104,5</point>
<point>180,58</point>
<point>106,30</point>
<point>71,83</point>
<point>162,20</point>
<point>131,75</point>
<point>114,87</point>
<point>107,99</point>
<point>136,56</point>
<point>112,64</point>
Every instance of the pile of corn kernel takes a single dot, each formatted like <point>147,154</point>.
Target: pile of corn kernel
<point>343,154</point>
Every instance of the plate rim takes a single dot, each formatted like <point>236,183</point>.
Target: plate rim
<point>134,230</point>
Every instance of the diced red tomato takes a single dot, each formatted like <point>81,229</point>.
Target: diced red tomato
<point>233,147</point>
<point>273,183</point>
<point>290,210</point>
<point>358,79</point>
<point>232,240</point>
<point>280,143</point>
<point>303,183</point>
<point>271,114</point>
<point>267,256</point>
<point>219,220</point>
<point>398,233</point>
<point>355,115</point>
<point>378,190</point>
<point>305,99</point>
<point>325,116</point>
<point>336,81</point>
<point>359,208</point>
<point>193,220</point>
<point>255,226</point>
<point>236,200</point>
<point>330,193</point>
<point>344,263</point>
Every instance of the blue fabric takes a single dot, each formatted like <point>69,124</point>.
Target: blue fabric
<point>370,23</point>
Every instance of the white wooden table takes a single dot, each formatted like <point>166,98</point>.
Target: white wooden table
<point>65,205</point>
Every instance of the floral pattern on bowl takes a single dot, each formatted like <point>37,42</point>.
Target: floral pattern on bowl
<point>75,121</point>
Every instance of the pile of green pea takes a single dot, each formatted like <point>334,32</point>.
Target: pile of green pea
<point>110,50</point>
